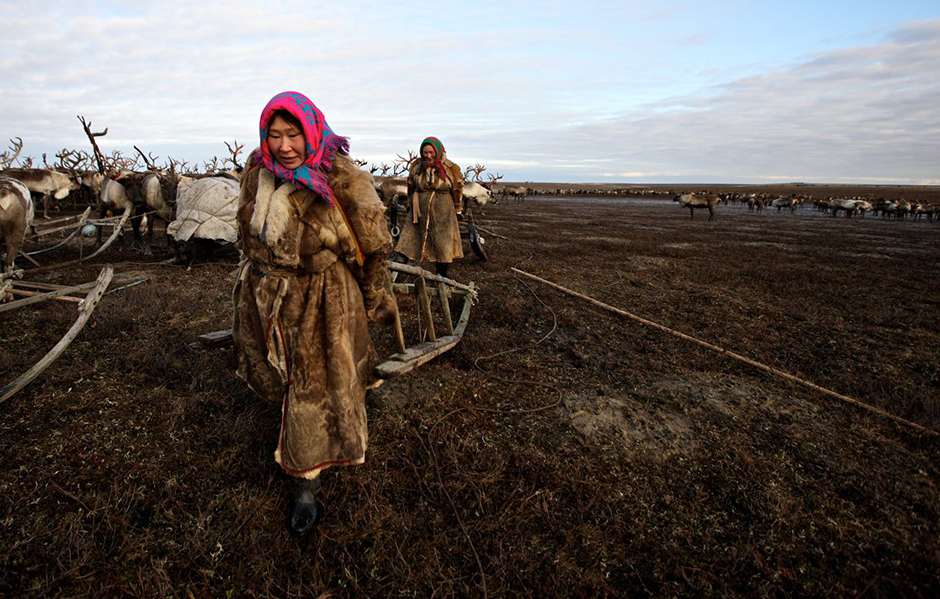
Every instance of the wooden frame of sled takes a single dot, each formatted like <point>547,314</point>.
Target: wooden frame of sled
<point>86,307</point>
<point>425,286</point>
<point>117,222</point>
<point>75,223</point>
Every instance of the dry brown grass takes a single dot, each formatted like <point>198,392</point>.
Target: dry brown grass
<point>598,459</point>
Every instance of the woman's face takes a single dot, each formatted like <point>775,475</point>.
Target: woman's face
<point>286,143</point>
<point>428,153</point>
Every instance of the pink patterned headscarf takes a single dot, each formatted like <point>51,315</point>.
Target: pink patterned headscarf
<point>321,143</point>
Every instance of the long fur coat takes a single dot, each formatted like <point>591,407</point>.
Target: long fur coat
<point>431,231</point>
<point>301,305</point>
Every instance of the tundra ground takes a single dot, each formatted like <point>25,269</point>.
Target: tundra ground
<point>558,450</point>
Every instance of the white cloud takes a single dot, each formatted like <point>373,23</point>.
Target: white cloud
<point>536,98</point>
<point>863,114</point>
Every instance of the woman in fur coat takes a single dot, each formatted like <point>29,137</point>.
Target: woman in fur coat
<point>435,189</point>
<point>315,242</point>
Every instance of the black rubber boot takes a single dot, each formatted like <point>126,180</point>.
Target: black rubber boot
<point>441,268</point>
<point>307,508</point>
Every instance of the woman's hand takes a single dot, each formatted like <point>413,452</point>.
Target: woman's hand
<point>385,312</point>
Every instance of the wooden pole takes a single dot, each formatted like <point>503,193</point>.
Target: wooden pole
<point>40,297</point>
<point>445,307</point>
<point>78,227</point>
<point>61,298</point>
<point>90,301</point>
<point>420,272</point>
<point>425,302</point>
<point>399,333</point>
<point>30,258</point>
<point>730,354</point>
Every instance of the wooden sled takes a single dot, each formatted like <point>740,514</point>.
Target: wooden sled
<point>118,224</point>
<point>66,223</point>
<point>86,306</point>
<point>425,286</point>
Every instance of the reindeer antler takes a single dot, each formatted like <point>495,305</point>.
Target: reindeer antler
<point>234,152</point>
<point>477,170</point>
<point>151,163</point>
<point>99,157</point>
<point>407,161</point>
<point>121,162</point>
<point>212,166</point>
<point>174,164</point>
<point>6,160</point>
<point>69,160</point>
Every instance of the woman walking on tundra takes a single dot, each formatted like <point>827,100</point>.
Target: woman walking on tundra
<point>315,242</point>
<point>435,192</point>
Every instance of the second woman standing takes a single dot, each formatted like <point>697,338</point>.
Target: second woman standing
<point>435,203</point>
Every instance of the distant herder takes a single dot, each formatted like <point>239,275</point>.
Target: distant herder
<point>435,193</point>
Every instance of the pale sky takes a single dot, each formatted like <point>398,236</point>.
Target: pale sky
<point>631,92</point>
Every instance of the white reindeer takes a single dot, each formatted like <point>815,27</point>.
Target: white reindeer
<point>16,216</point>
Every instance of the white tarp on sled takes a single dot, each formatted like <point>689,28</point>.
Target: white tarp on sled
<point>205,209</point>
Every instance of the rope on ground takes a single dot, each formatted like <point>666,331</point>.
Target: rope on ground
<point>476,363</point>
<point>731,354</point>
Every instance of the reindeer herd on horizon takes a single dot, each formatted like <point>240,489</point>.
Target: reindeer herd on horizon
<point>756,202</point>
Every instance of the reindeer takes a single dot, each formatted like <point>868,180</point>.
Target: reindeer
<point>847,206</point>
<point>924,210</point>
<point>694,202</point>
<point>46,183</point>
<point>16,216</point>
<point>476,192</point>
<point>476,188</point>
<point>394,187</point>
<point>158,192</point>
<point>516,192</point>
<point>781,203</point>
<point>75,163</point>
<point>904,208</point>
<point>885,207</point>
<point>863,206</point>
